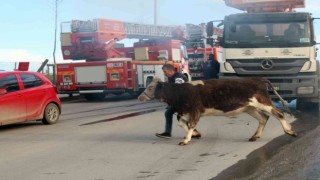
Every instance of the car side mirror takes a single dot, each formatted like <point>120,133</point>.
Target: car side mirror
<point>3,91</point>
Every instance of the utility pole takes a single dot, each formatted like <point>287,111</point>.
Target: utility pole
<point>55,31</point>
<point>55,34</point>
<point>155,12</point>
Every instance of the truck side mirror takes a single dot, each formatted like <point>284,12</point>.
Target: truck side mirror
<point>210,28</point>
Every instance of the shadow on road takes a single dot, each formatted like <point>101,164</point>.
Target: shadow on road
<point>109,98</point>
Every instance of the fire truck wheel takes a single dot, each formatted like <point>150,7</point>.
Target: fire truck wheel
<point>51,114</point>
<point>95,97</point>
<point>135,94</point>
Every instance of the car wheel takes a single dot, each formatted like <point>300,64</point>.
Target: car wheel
<point>51,114</point>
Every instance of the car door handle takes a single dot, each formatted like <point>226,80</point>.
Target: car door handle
<point>20,95</point>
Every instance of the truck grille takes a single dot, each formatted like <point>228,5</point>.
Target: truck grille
<point>274,66</point>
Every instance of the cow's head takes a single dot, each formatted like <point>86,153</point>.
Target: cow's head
<point>149,93</point>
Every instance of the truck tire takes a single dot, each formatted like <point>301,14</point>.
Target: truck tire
<point>51,114</point>
<point>149,80</point>
<point>302,104</point>
<point>95,97</point>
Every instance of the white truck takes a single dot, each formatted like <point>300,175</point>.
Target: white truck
<point>258,43</point>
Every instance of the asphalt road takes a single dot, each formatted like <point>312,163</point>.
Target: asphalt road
<point>114,139</point>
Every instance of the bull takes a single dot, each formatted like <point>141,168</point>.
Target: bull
<point>218,98</point>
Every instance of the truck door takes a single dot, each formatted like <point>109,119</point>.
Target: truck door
<point>147,72</point>
<point>90,75</point>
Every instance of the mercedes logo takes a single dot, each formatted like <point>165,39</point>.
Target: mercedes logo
<point>266,64</point>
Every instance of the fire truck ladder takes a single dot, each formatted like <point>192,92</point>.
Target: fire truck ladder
<point>254,6</point>
<point>196,31</point>
<point>147,31</point>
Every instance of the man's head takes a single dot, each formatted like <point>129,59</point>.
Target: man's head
<point>168,70</point>
<point>294,28</point>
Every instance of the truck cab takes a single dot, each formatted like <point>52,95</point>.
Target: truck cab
<point>265,44</point>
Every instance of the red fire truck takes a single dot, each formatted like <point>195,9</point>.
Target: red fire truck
<point>111,68</point>
<point>204,62</point>
<point>203,56</point>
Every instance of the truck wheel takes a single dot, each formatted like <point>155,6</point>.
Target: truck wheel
<point>135,94</point>
<point>51,114</point>
<point>95,97</point>
<point>302,104</point>
<point>149,80</point>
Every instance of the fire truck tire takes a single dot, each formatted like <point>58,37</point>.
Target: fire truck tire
<point>134,95</point>
<point>302,104</point>
<point>51,114</point>
<point>149,80</point>
<point>94,97</point>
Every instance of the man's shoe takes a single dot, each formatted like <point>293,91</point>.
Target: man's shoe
<point>164,135</point>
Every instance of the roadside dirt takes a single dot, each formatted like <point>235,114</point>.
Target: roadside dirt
<point>285,157</point>
<point>298,160</point>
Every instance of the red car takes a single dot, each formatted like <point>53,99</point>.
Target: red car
<point>27,96</point>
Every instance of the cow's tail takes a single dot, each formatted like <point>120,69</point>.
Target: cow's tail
<point>284,104</point>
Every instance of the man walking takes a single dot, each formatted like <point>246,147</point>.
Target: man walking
<point>177,78</point>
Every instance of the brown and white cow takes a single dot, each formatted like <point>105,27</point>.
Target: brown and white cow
<point>219,98</point>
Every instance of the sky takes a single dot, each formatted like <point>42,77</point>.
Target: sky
<point>27,27</point>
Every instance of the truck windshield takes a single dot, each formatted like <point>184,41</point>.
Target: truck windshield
<point>196,56</point>
<point>268,34</point>
<point>184,51</point>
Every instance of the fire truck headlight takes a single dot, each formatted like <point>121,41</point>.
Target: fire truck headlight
<point>66,52</point>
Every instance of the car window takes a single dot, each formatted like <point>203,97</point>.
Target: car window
<point>10,83</point>
<point>30,80</point>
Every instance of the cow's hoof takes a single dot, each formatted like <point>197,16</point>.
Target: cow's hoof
<point>252,139</point>
<point>195,136</point>
<point>182,143</point>
<point>198,136</point>
<point>292,133</point>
